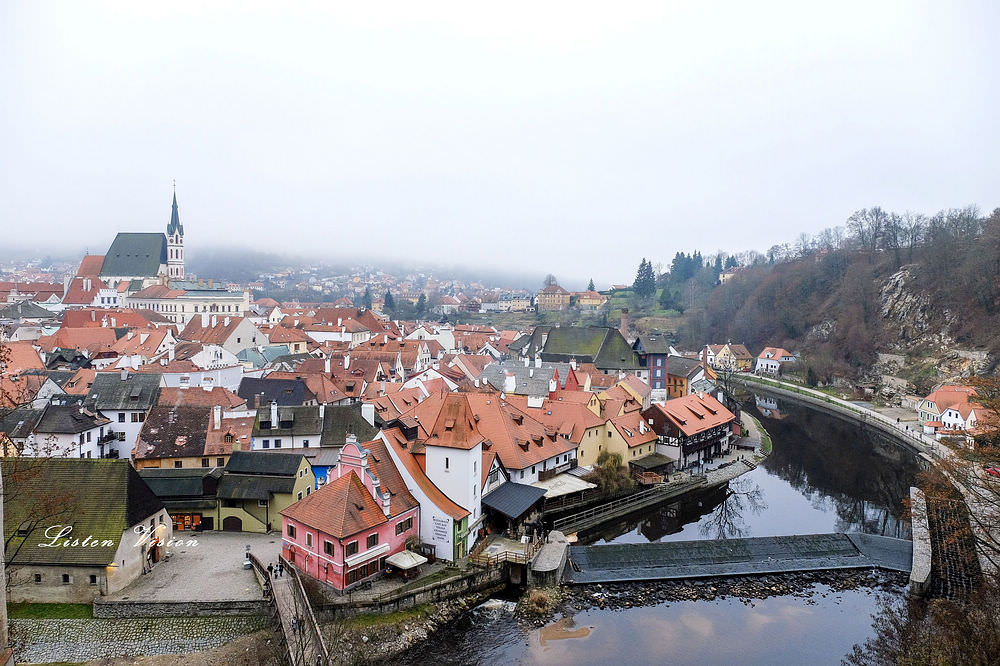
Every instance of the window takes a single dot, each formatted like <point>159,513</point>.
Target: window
<point>532,469</point>
<point>291,531</point>
<point>178,463</point>
<point>121,417</point>
<point>404,526</point>
<point>352,548</point>
<point>305,443</point>
<point>266,444</point>
<point>65,579</point>
<point>446,462</point>
<point>204,462</point>
<point>308,489</point>
<point>220,462</point>
<point>229,438</point>
<point>38,579</point>
<point>277,443</point>
<point>299,494</point>
<point>93,579</point>
<point>522,473</point>
<point>309,539</point>
<point>659,362</point>
<point>88,436</point>
<point>135,417</point>
<point>261,502</point>
<point>142,417</point>
<point>328,547</point>
<point>372,540</point>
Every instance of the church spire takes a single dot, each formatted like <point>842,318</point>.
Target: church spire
<point>175,225</point>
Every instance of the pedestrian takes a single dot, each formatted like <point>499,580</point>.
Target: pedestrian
<point>295,625</point>
<point>281,569</point>
<point>270,570</point>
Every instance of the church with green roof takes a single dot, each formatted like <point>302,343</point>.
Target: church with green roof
<point>144,259</point>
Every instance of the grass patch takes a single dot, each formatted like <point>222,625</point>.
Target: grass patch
<point>539,601</point>
<point>369,620</point>
<point>49,611</point>
<point>765,439</point>
<point>435,577</point>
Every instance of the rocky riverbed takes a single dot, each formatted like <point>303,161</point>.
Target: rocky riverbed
<point>620,596</point>
<point>367,639</point>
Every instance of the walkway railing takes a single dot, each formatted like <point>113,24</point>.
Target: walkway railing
<point>621,506</point>
<point>311,627</point>
<point>493,559</point>
<point>268,587</point>
<point>914,437</point>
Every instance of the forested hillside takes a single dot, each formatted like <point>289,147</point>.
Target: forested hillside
<point>901,283</point>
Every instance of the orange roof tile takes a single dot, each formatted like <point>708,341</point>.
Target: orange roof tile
<point>341,508</point>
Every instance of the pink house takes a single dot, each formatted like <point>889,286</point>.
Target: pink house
<point>342,533</point>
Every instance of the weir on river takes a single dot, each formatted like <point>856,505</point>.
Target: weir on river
<point>735,557</point>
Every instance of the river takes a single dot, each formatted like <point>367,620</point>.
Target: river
<point>824,475</point>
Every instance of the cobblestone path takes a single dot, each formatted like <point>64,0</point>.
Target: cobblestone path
<point>83,639</point>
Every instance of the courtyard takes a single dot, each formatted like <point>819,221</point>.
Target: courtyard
<point>210,570</point>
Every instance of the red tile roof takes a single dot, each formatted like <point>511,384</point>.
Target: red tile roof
<point>695,413</point>
<point>341,508</point>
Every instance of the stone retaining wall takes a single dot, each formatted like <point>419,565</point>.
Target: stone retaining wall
<point>912,442</point>
<point>920,571</point>
<point>135,609</point>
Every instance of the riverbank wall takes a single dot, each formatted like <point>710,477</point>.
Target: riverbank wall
<point>913,440</point>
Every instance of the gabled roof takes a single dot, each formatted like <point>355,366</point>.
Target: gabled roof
<point>404,454</point>
<point>135,255</point>
<point>285,392</point>
<point>261,463</point>
<point>341,508</point>
<point>380,462</point>
<point>633,429</point>
<point>124,390</point>
<point>341,420</point>
<point>103,499</point>
<point>69,420</point>
<point>24,310</point>
<point>199,397</point>
<point>304,420</point>
<point>694,413</point>
<point>224,328</point>
<point>173,432</point>
<point>91,265</point>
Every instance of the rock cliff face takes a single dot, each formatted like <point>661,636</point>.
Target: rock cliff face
<point>909,318</point>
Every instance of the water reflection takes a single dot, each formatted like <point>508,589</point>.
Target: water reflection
<point>728,520</point>
<point>824,475</point>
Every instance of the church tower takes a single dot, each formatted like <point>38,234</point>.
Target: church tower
<point>175,243</point>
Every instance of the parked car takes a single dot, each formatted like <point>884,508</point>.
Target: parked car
<point>992,471</point>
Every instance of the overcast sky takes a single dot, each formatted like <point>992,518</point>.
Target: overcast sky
<point>570,137</point>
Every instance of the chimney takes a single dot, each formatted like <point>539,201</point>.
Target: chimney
<point>93,316</point>
<point>124,374</point>
<point>353,439</point>
<point>225,322</point>
<point>538,360</point>
<point>170,353</point>
<point>204,320</point>
<point>217,416</point>
<point>572,363</point>
<point>531,372</point>
<point>340,321</point>
<point>274,414</point>
<point>322,410</point>
<point>207,383</point>
<point>256,400</point>
<point>385,503</point>
<point>509,382</point>
<point>326,365</point>
<point>623,327</point>
<point>215,320</point>
<point>527,361</point>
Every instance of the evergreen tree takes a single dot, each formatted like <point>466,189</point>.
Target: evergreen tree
<point>590,285</point>
<point>645,282</point>
<point>421,305</point>
<point>390,302</point>
<point>366,300</point>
